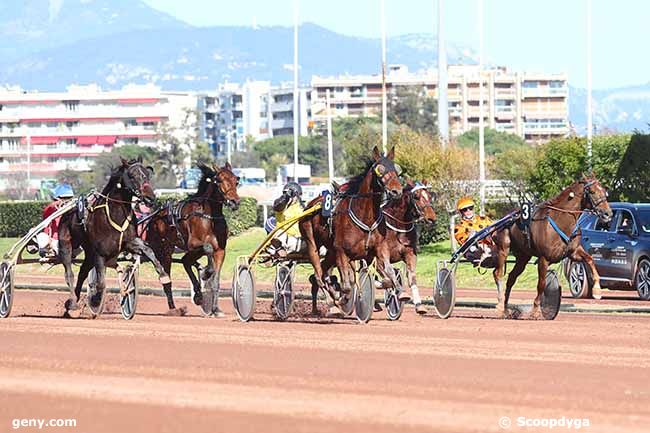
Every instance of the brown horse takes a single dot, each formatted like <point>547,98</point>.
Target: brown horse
<point>109,229</point>
<point>547,243</point>
<point>356,221</point>
<point>400,217</point>
<point>197,226</point>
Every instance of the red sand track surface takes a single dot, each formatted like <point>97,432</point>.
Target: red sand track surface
<point>164,374</point>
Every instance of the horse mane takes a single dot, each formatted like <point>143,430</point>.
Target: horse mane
<point>355,182</point>
<point>553,201</point>
<point>115,176</point>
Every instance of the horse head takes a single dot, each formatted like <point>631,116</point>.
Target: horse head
<point>208,182</point>
<point>136,179</point>
<point>421,200</point>
<point>228,182</point>
<point>594,197</point>
<point>386,172</point>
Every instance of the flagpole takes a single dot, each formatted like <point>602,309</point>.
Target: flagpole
<point>384,108</point>
<point>330,147</point>
<point>443,106</point>
<point>590,126</point>
<point>295,90</point>
<point>481,123</point>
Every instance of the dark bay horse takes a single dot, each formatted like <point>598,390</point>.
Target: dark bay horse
<point>355,223</point>
<point>109,228</point>
<point>401,216</point>
<point>197,226</point>
<point>547,243</point>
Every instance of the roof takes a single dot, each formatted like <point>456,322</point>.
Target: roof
<point>625,205</point>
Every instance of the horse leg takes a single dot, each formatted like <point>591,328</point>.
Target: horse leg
<point>542,267</point>
<point>189,260</point>
<point>166,263</point>
<point>65,255</point>
<point>100,269</point>
<point>580,255</point>
<point>519,267</point>
<point>217,262</point>
<point>347,278</point>
<point>324,282</point>
<point>411,262</point>
<point>503,248</point>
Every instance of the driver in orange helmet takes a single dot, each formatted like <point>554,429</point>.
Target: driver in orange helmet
<point>469,224</point>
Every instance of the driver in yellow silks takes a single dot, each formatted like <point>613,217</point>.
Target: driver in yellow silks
<point>470,223</point>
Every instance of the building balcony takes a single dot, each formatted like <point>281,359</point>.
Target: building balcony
<point>281,123</point>
<point>282,106</point>
<point>545,92</point>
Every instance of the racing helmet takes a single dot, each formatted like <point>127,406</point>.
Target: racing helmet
<point>464,202</point>
<point>63,191</point>
<point>292,189</point>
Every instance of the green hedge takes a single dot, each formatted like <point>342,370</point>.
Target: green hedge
<point>17,217</point>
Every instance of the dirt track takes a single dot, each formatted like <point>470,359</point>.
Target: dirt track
<point>159,373</point>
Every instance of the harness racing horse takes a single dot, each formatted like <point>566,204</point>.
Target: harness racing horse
<point>553,235</point>
<point>400,217</point>
<point>109,228</point>
<point>197,226</point>
<point>353,228</point>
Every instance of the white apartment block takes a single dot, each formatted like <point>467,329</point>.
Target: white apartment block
<point>42,133</point>
<point>533,106</point>
<point>255,109</point>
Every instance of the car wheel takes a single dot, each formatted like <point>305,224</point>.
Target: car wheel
<point>580,280</point>
<point>642,279</point>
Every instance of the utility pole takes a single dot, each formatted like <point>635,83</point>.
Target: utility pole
<point>590,120</point>
<point>481,123</point>
<point>295,90</point>
<point>384,104</point>
<point>330,147</point>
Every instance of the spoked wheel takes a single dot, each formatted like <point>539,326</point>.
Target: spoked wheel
<point>95,300</point>
<point>209,297</point>
<point>6,289</point>
<point>579,278</point>
<point>243,293</point>
<point>129,300</point>
<point>283,291</point>
<point>364,299</point>
<point>444,293</point>
<point>552,296</point>
<point>642,280</point>
<point>394,306</point>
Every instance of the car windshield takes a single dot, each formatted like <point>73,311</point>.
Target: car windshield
<point>644,217</point>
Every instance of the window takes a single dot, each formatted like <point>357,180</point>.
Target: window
<point>71,105</point>
<point>556,84</point>
<point>72,124</point>
<point>644,220</point>
<point>530,84</point>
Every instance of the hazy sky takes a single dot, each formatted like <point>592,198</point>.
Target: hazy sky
<point>537,35</point>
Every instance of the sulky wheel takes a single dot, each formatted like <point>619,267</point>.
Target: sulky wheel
<point>552,296</point>
<point>243,293</point>
<point>6,288</point>
<point>444,293</point>
<point>129,300</point>
<point>394,306</point>
<point>95,299</point>
<point>283,291</point>
<point>364,299</point>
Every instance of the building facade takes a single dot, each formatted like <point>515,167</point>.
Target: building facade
<point>255,110</point>
<point>533,106</point>
<point>44,133</point>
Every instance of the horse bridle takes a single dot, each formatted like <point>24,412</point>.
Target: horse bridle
<point>128,184</point>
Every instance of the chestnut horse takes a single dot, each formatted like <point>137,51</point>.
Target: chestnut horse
<point>553,235</point>
<point>356,220</point>
<point>197,226</point>
<point>400,217</point>
<point>109,229</point>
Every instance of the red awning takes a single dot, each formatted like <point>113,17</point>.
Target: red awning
<point>87,140</point>
<point>40,140</point>
<point>106,139</point>
<point>138,101</point>
<point>147,119</point>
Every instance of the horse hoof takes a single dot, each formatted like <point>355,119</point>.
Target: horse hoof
<point>70,305</point>
<point>376,308</point>
<point>198,298</point>
<point>334,312</point>
<point>404,297</point>
<point>218,314</point>
<point>597,292</point>
<point>315,313</point>
<point>177,312</point>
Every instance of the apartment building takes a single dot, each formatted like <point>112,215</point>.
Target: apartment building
<point>254,109</point>
<point>43,133</point>
<point>533,106</point>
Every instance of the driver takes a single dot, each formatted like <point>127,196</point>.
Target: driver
<point>287,206</point>
<point>470,223</point>
<point>48,239</point>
